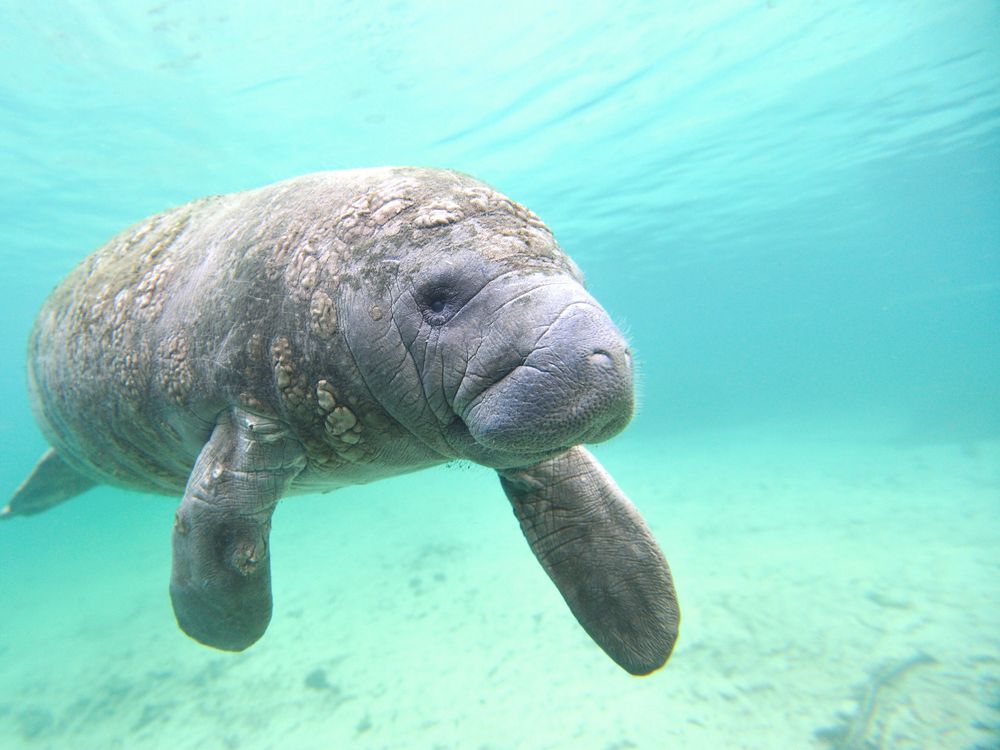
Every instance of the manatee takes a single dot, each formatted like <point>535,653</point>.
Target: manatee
<point>334,329</point>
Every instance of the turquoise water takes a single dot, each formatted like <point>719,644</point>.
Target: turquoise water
<point>794,211</point>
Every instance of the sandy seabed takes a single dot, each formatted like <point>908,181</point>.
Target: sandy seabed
<point>835,594</point>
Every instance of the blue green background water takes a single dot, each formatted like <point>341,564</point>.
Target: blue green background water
<point>794,210</point>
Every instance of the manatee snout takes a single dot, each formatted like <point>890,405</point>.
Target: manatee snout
<point>574,385</point>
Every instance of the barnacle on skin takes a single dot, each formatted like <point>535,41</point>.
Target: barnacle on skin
<point>438,215</point>
<point>176,375</point>
<point>323,314</point>
<point>389,210</point>
<point>479,198</point>
<point>252,403</point>
<point>340,420</point>
<point>325,396</point>
<point>291,384</point>
<point>128,365</point>
<point>342,430</point>
<point>149,296</point>
<point>302,271</point>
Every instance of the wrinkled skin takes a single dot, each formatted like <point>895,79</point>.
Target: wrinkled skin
<point>335,329</point>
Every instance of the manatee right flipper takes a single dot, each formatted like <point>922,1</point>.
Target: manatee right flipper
<point>220,584</point>
<point>600,554</point>
<point>51,482</point>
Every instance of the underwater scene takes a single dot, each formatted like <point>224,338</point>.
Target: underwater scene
<point>790,210</point>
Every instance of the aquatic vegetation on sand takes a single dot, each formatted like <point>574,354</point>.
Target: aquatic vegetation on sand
<point>862,729</point>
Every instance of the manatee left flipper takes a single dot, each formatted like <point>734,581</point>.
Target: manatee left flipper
<point>600,554</point>
<point>51,482</point>
<point>220,584</point>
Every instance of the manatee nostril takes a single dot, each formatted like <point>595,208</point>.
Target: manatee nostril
<point>601,358</point>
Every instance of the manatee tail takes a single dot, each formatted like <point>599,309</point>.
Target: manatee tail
<point>51,482</point>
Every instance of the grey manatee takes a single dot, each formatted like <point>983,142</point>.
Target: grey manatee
<point>334,329</point>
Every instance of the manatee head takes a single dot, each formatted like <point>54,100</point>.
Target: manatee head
<point>473,329</point>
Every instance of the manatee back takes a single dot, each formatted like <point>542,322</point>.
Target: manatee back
<point>142,345</point>
<point>232,301</point>
<point>96,386</point>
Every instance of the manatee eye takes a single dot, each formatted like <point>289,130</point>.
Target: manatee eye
<point>438,303</point>
<point>437,310</point>
<point>440,292</point>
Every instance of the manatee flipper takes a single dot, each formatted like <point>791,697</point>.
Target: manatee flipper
<point>220,585</point>
<point>600,554</point>
<point>51,482</point>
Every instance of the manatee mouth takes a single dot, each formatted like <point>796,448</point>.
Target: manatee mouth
<point>546,405</point>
